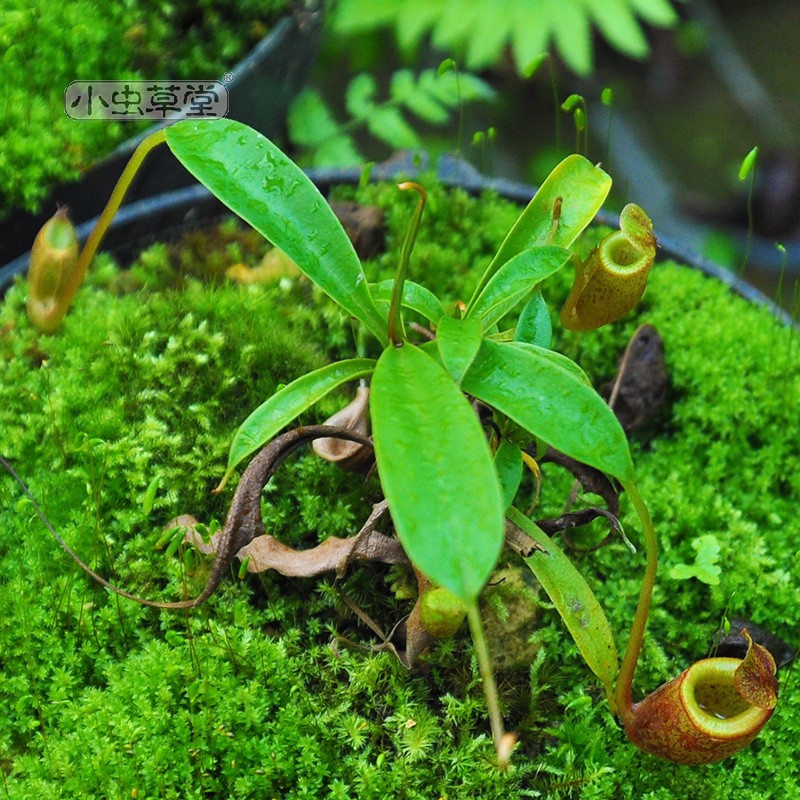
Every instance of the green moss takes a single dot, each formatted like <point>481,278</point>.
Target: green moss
<point>47,45</point>
<point>245,697</point>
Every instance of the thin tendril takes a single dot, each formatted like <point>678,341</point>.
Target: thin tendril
<point>72,554</point>
<point>107,215</point>
<point>395,314</point>
<point>624,689</point>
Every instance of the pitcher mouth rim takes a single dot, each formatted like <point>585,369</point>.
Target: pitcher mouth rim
<point>719,671</point>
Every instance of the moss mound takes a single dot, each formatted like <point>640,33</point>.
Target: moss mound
<point>121,422</point>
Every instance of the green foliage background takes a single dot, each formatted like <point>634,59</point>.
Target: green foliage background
<point>482,30</point>
<point>245,697</point>
<point>429,97</point>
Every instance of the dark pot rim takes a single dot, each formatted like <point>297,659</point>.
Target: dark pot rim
<point>134,226</point>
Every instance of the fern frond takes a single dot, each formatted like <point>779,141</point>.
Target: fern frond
<point>480,30</point>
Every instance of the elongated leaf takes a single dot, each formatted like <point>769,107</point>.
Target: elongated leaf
<point>508,463</point>
<point>574,601</point>
<point>458,341</point>
<point>248,173</point>
<point>557,359</point>
<point>388,124</point>
<point>436,471</point>
<point>656,12</point>
<point>415,296</point>
<point>572,36</point>
<point>573,192</point>
<point>516,279</point>
<point>287,403</point>
<point>552,400</point>
<point>406,91</point>
<point>617,23</point>
<point>454,88</point>
<point>310,120</point>
<point>534,325</point>
<point>529,38</point>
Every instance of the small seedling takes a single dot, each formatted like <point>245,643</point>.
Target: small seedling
<point>576,105</point>
<point>705,567</point>
<point>747,172</point>
<point>607,99</point>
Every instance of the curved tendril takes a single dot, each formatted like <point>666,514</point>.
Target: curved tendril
<point>107,215</point>
<point>395,316</point>
<point>624,688</point>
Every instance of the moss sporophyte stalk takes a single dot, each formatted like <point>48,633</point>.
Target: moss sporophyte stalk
<point>442,467</point>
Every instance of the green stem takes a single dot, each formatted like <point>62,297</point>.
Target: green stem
<point>624,689</point>
<point>487,676</point>
<point>105,218</point>
<point>749,241</point>
<point>395,316</point>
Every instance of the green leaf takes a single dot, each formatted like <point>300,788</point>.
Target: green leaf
<point>529,38</point>
<point>656,12</point>
<point>453,87</point>
<point>337,151</point>
<point>706,567</point>
<point>573,36</point>
<point>264,187</point>
<point>458,341</point>
<point>473,88</point>
<point>150,494</point>
<point>574,192</point>
<point>436,471</point>
<point>415,296</point>
<point>287,403</point>
<point>508,463</point>
<point>310,120</point>
<point>360,96</point>
<point>617,23</point>
<point>548,396</point>
<point>516,279</point>
<point>388,124</point>
<point>408,92</point>
<point>412,20</point>
<point>313,126</point>
<point>456,24</point>
<point>355,16</point>
<point>574,601</point>
<point>488,39</point>
<point>479,29</point>
<point>557,360</point>
<point>534,325</point>
<point>681,572</point>
<point>174,545</point>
